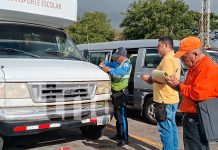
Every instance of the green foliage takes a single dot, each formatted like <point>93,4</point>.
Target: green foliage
<point>155,18</point>
<point>92,27</point>
<point>213,21</point>
<point>197,18</point>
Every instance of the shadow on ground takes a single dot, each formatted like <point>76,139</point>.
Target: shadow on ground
<point>48,138</point>
<point>71,137</point>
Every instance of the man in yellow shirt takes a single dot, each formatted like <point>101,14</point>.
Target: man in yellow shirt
<point>166,99</point>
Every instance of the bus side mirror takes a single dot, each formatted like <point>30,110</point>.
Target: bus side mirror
<point>86,54</point>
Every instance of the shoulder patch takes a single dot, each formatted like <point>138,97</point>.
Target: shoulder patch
<point>126,65</point>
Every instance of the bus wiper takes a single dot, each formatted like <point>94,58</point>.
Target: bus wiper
<point>68,57</point>
<point>58,53</point>
<point>53,52</point>
<point>17,50</point>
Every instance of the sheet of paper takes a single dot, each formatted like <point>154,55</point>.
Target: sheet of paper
<point>159,76</point>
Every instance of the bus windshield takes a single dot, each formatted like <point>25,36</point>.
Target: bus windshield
<point>29,41</point>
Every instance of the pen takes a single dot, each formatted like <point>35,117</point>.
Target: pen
<point>175,72</point>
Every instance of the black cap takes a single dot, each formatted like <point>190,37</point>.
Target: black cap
<point>121,51</point>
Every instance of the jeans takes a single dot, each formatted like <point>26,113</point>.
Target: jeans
<point>191,134</point>
<point>168,129</point>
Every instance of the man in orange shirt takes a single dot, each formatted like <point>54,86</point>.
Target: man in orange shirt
<point>201,84</point>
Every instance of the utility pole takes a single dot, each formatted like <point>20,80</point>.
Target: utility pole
<point>205,23</point>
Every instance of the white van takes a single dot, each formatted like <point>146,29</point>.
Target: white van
<point>213,53</point>
<point>45,83</point>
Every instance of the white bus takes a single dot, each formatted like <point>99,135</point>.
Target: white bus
<point>45,84</point>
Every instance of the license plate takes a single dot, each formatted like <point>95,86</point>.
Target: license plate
<point>102,120</point>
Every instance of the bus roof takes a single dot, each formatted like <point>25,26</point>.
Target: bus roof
<point>128,44</point>
<point>58,13</point>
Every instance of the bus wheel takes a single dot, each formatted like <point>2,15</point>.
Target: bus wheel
<point>148,111</point>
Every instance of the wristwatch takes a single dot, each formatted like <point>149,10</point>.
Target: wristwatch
<point>178,86</point>
<point>150,79</point>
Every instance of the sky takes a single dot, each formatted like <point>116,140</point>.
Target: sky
<point>115,8</point>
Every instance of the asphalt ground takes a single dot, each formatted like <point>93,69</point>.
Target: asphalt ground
<point>142,136</point>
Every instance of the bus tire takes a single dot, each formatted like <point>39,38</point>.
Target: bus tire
<point>148,111</point>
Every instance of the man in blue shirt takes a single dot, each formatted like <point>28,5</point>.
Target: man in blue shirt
<point>120,72</point>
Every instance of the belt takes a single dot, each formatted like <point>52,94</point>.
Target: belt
<point>113,91</point>
<point>191,115</point>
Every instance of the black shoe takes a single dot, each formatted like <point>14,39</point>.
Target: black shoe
<point>116,137</point>
<point>127,142</point>
<point>122,143</point>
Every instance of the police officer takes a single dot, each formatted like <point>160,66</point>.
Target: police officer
<point>119,70</point>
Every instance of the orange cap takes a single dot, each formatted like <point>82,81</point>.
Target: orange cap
<point>188,44</point>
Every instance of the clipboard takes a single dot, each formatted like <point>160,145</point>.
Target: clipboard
<point>159,76</point>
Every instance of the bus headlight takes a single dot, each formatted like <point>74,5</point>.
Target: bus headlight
<point>14,91</point>
<point>104,87</point>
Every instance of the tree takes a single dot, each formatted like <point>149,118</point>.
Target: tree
<point>155,18</point>
<point>92,27</point>
<point>213,21</point>
<point>118,34</point>
<point>197,18</point>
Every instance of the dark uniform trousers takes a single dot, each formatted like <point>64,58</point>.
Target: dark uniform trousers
<point>119,99</point>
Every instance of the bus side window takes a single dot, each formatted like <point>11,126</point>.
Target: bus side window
<point>152,59</point>
<point>98,57</point>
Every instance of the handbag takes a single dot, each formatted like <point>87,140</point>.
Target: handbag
<point>160,111</point>
<point>119,99</point>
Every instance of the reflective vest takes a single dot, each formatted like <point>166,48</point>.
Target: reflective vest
<point>118,82</point>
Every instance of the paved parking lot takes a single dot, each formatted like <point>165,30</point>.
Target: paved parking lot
<point>143,136</point>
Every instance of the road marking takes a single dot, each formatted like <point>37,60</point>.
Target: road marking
<point>150,142</point>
